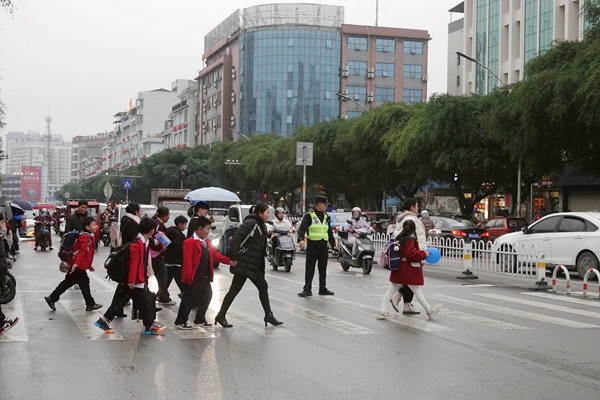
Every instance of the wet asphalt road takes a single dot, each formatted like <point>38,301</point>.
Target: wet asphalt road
<point>493,340</point>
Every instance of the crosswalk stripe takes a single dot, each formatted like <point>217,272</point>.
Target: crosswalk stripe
<point>252,323</point>
<point>546,306</point>
<point>168,316</point>
<point>492,323</point>
<point>85,321</point>
<point>565,298</point>
<point>103,282</point>
<point>516,313</point>
<point>19,332</point>
<point>328,321</point>
<point>423,325</point>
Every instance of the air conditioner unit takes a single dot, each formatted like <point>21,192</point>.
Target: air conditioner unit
<point>345,68</point>
<point>233,123</point>
<point>371,70</point>
<point>370,75</point>
<point>425,78</point>
<point>344,93</point>
<point>344,116</point>
<point>345,73</point>
<point>370,94</point>
<point>233,97</point>
<point>233,75</point>
<point>233,117</point>
<point>370,99</point>
<point>228,51</point>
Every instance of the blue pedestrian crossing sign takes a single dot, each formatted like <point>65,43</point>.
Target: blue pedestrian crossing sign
<point>127,183</point>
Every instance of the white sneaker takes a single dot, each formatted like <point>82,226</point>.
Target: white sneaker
<point>410,309</point>
<point>383,315</point>
<point>434,310</point>
<point>395,300</point>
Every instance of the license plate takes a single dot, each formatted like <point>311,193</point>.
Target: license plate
<point>473,236</point>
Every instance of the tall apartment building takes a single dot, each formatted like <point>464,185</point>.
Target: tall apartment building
<point>276,67</point>
<point>86,156</point>
<point>53,154</point>
<point>504,36</point>
<point>180,127</point>
<point>137,132</point>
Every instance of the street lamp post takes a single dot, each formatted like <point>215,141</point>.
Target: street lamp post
<point>239,133</point>
<point>502,83</point>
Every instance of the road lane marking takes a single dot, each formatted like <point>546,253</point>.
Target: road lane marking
<point>252,323</point>
<point>492,323</point>
<point>546,306</point>
<point>168,316</point>
<point>411,322</point>
<point>568,299</point>
<point>85,321</point>
<point>516,313</point>
<point>102,281</point>
<point>18,333</point>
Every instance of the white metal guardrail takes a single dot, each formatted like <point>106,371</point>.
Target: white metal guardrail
<point>585,281</point>
<point>567,277</point>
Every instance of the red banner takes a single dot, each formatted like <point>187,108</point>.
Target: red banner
<point>31,183</point>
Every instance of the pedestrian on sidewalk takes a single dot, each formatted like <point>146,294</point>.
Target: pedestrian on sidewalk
<point>6,324</point>
<point>248,251</point>
<point>410,272</point>
<point>137,281</point>
<point>197,274</point>
<point>81,260</point>
<point>174,253</point>
<point>158,261</point>
<point>410,209</point>
<point>317,229</point>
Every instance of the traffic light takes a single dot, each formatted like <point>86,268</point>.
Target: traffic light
<point>183,172</point>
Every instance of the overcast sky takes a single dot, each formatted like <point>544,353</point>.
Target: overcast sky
<point>85,59</point>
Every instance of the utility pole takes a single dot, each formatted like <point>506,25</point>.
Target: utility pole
<point>376,12</point>
<point>48,155</point>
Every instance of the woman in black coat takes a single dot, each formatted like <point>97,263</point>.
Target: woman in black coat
<point>248,250</point>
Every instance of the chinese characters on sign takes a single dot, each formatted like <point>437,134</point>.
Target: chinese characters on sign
<point>31,183</point>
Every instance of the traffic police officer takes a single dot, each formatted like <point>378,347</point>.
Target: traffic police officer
<point>316,226</point>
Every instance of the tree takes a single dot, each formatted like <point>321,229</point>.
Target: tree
<point>8,5</point>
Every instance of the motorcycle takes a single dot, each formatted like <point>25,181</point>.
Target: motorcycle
<point>8,289</point>
<point>105,233</point>
<point>44,229</point>
<point>281,250</point>
<point>365,254</point>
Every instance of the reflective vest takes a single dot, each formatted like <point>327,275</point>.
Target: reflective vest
<point>317,229</point>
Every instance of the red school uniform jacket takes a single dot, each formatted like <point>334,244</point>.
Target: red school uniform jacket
<point>83,251</point>
<point>138,262</point>
<point>408,274</point>
<point>192,251</point>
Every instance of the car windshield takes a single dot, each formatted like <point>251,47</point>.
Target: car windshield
<point>341,217</point>
<point>148,211</point>
<point>458,223</point>
<point>516,223</point>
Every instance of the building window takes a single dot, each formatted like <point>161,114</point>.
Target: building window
<point>546,23</point>
<point>357,92</point>
<point>413,47</point>
<point>385,69</point>
<point>458,80</point>
<point>385,45</point>
<point>413,71</point>
<point>384,94</point>
<point>353,114</point>
<point>357,43</point>
<point>412,95</point>
<point>357,68</point>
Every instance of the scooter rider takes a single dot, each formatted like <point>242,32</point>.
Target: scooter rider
<point>358,222</point>
<point>43,217</point>
<point>281,223</point>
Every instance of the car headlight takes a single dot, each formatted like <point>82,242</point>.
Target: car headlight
<point>216,242</point>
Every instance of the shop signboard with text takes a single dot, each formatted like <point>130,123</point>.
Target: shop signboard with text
<point>31,183</point>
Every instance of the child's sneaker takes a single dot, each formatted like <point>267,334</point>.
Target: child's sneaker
<point>383,315</point>
<point>184,326</point>
<point>434,310</point>
<point>154,329</point>
<point>104,325</point>
<point>8,324</point>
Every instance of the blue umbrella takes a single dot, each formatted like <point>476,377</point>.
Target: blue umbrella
<point>23,204</point>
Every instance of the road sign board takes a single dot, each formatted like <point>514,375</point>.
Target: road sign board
<point>108,192</point>
<point>304,153</point>
<point>127,183</point>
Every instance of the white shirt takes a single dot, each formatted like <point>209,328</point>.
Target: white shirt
<point>198,238</point>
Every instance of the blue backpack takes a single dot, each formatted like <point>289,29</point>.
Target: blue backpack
<point>66,246</point>
<point>390,256</point>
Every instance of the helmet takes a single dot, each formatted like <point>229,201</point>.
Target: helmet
<point>356,209</point>
<point>44,211</point>
<point>279,210</point>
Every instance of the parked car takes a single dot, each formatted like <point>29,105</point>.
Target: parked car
<point>459,228</point>
<point>378,220</point>
<point>571,239</point>
<point>28,223</point>
<point>502,225</point>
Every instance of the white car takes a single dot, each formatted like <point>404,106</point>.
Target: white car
<point>29,216</point>
<point>571,239</point>
<point>148,210</point>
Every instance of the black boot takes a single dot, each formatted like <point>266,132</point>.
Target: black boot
<point>270,318</point>
<point>221,320</point>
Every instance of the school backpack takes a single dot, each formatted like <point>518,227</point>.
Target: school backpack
<point>225,247</point>
<point>390,256</point>
<point>66,246</point>
<point>116,264</point>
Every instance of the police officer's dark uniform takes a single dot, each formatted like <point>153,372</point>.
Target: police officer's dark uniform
<point>316,226</point>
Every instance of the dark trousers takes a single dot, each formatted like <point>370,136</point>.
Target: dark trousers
<point>316,251</point>
<point>175,273</point>
<point>120,298</point>
<point>160,271</point>
<point>198,293</point>
<point>238,283</point>
<point>407,294</point>
<point>16,239</point>
<point>2,317</point>
<point>79,277</point>
<point>141,302</point>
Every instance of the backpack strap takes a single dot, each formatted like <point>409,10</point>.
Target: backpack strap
<point>249,235</point>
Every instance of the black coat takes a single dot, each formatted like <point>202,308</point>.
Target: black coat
<point>174,253</point>
<point>129,230</point>
<point>251,261</point>
<point>3,265</point>
<point>75,222</point>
